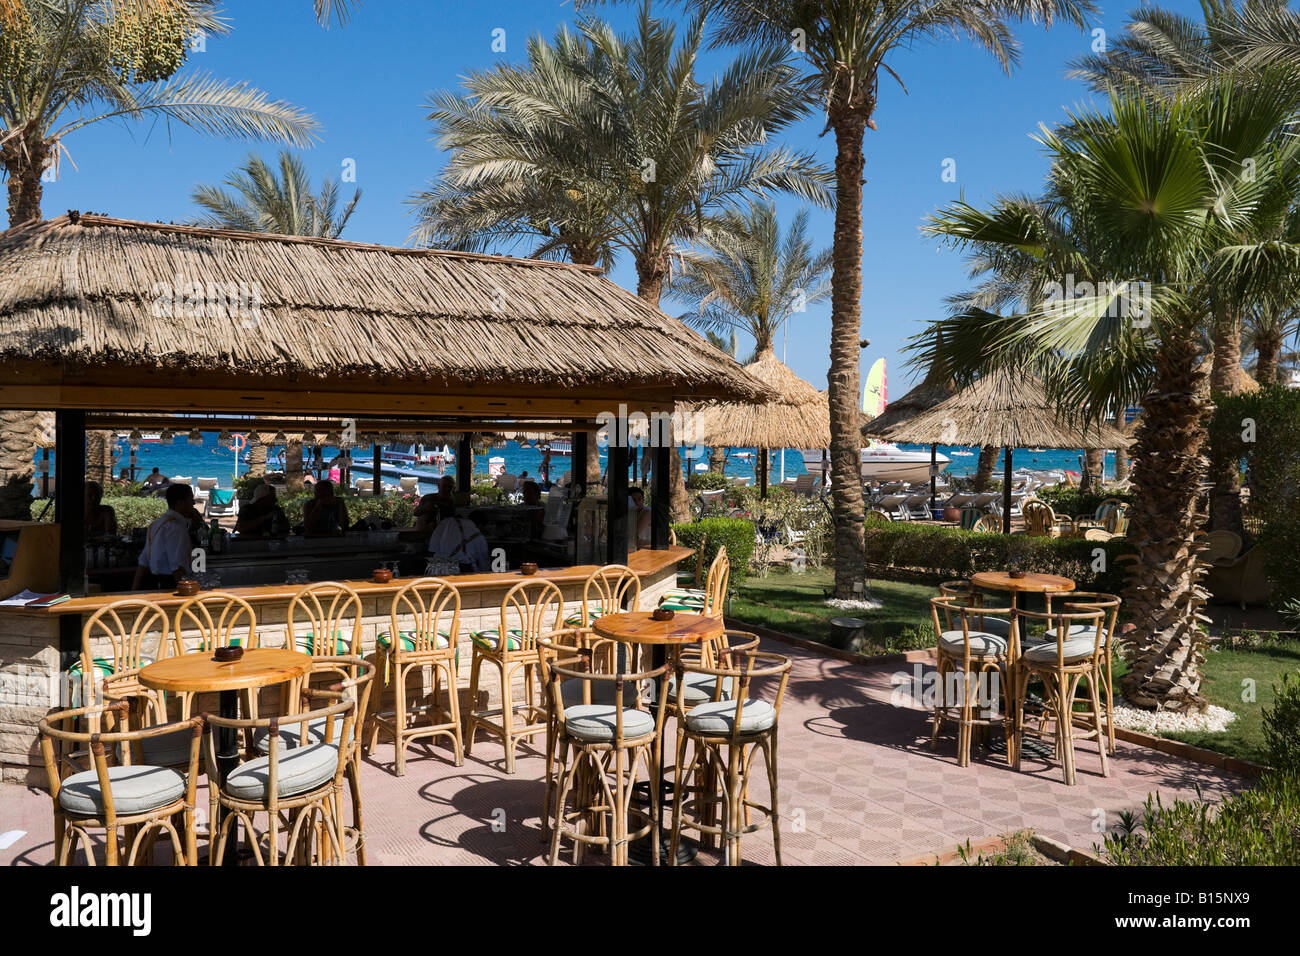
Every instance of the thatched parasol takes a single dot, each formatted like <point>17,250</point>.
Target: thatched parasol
<point>1007,410</point>
<point>936,388</point>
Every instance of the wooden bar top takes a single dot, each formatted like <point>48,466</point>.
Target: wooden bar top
<point>643,562</point>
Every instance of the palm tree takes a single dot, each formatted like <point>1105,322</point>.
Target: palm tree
<point>848,45</point>
<point>624,128</point>
<point>1267,328</point>
<point>1153,191</point>
<point>259,200</point>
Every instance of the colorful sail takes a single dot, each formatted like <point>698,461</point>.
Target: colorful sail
<point>875,395</point>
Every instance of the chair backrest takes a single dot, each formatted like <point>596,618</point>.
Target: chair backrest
<point>508,483</point>
<point>327,608</point>
<point>567,667</point>
<point>130,627</point>
<point>534,608</point>
<point>1068,617</point>
<point>804,484</point>
<point>738,667</point>
<point>423,608</point>
<point>963,614</point>
<point>1116,521</point>
<point>1039,517</point>
<point>970,516</point>
<point>409,483</point>
<point>207,484</point>
<point>990,524</point>
<point>699,560</point>
<point>715,589</point>
<point>221,619</point>
<point>1220,545</point>
<point>609,590</point>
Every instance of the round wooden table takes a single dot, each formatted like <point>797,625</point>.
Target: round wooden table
<point>1044,584</point>
<point>201,673</point>
<point>638,627</point>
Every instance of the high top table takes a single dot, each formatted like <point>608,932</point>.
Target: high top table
<point>200,673</point>
<point>1044,584</point>
<point>638,627</point>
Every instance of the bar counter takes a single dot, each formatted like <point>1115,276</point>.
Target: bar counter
<point>31,666</point>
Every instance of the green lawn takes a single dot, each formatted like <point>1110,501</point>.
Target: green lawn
<point>795,604</point>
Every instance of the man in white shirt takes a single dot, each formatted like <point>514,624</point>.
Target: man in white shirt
<point>459,539</point>
<point>166,554</point>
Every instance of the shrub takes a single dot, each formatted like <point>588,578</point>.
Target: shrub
<point>736,534</point>
<point>707,481</point>
<point>1282,727</point>
<point>396,508</point>
<point>1073,502</point>
<point>936,553</point>
<point>129,490</point>
<point>1258,827</point>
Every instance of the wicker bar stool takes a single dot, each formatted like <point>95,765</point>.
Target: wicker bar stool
<point>537,607</point>
<point>131,646</point>
<point>969,653</point>
<point>600,751</point>
<point>1086,600</point>
<point>142,798</point>
<point>971,596</point>
<point>424,622</point>
<point>221,620</point>
<point>1062,663</point>
<point>607,590</point>
<point>305,783</point>
<point>712,599</point>
<point>724,737</point>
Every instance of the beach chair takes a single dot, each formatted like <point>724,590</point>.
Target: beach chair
<point>364,486</point>
<point>960,500</point>
<point>508,483</point>
<point>893,504</point>
<point>742,482</point>
<point>221,503</point>
<point>201,491</point>
<point>409,485</point>
<point>970,516</point>
<point>711,497</point>
<point>917,506</point>
<point>805,484</point>
<point>181,480</point>
<point>1040,519</point>
<point>984,499</point>
<point>892,487</point>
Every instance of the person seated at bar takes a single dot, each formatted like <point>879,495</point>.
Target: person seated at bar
<point>263,517</point>
<point>532,493</point>
<point>426,512</point>
<point>459,539</point>
<point>166,555</point>
<point>446,491</point>
<point>325,514</point>
<point>639,516</point>
<point>101,520</point>
<point>155,481</point>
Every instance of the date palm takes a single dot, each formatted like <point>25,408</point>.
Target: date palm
<point>1153,192</point>
<point>65,64</point>
<point>259,200</point>
<point>622,128</point>
<point>848,45</point>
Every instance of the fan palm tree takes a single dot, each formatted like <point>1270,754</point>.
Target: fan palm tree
<point>259,200</point>
<point>1153,191</point>
<point>640,151</point>
<point>848,45</point>
<point>1267,329</point>
<point>65,64</point>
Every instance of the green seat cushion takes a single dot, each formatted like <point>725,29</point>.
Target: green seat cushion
<point>597,722</point>
<point>982,643</point>
<point>491,638</point>
<point>408,640</point>
<point>299,770</point>
<point>342,646</point>
<point>575,620</point>
<point>136,789</point>
<point>718,716</point>
<point>103,667</point>
<point>1075,648</point>
<point>291,736</point>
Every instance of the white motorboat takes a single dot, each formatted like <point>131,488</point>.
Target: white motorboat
<point>883,461</point>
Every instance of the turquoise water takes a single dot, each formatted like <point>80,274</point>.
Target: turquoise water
<point>210,460</point>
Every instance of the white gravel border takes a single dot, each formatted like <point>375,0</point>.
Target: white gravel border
<point>842,604</point>
<point>1215,720</point>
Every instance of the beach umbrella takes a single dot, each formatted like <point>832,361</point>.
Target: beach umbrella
<point>798,417</point>
<point>937,387</point>
<point>1005,409</point>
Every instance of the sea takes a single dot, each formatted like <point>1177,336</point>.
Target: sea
<point>211,460</point>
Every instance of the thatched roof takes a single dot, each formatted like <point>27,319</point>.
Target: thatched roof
<point>93,292</point>
<point>924,397</point>
<point>799,416</point>
<point>1003,410</point>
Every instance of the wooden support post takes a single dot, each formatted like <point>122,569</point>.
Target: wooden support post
<point>376,464</point>
<point>1006,492</point>
<point>464,464</point>
<point>659,511</point>
<point>934,474</point>
<point>70,499</point>
<point>578,473</point>
<point>762,473</point>
<point>616,517</point>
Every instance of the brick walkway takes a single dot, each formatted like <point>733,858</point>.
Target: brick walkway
<point>860,785</point>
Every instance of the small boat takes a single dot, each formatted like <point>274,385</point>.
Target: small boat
<point>883,461</point>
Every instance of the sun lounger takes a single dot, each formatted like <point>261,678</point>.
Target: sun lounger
<point>960,500</point>
<point>409,485</point>
<point>984,499</point>
<point>221,503</point>
<point>893,505</point>
<point>918,506</point>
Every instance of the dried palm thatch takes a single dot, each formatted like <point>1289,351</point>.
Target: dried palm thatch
<point>1003,410</point>
<point>799,416</point>
<point>93,291</point>
<point>924,397</point>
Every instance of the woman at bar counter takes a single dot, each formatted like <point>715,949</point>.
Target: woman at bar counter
<point>325,514</point>
<point>263,518</point>
<point>101,520</point>
<point>459,539</point>
<point>165,559</point>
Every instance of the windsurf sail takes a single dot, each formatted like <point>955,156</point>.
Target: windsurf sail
<point>875,395</point>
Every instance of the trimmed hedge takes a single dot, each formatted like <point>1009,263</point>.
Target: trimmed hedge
<point>736,533</point>
<point>131,513</point>
<point>936,553</point>
<point>1073,502</point>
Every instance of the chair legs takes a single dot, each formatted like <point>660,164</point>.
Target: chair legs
<point>510,732</point>
<point>717,775</point>
<point>601,781</point>
<point>399,727</point>
<point>1061,689</point>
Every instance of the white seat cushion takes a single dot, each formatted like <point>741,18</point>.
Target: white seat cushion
<point>982,643</point>
<point>1078,630</point>
<point>717,717</point>
<point>699,688</point>
<point>602,692</point>
<point>291,736</point>
<point>596,722</point>
<point>136,789</point>
<point>1076,649</point>
<point>298,771</point>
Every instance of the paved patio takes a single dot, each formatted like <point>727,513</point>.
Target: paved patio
<point>860,785</point>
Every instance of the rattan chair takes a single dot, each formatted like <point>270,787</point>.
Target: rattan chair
<point>1110,603</point>
<point>131,646</point>
<point>1073,655</point>
<point>1040,519</point>
<point>969,653</point>
<point>220,620</point>
<point>120,790</point>
<point>425,618</point>
<point>305,783</point>
<point>607,590</point>
<point>711,793</point>
<point>712,599</point>
<point>530,610</point>
<point>601,748</point>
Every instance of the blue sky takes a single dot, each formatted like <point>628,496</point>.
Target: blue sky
<point>367,83</point>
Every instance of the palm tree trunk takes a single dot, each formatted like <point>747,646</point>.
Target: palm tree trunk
<point>1268,347</point>
<point>718,460</point>
<point>1121,454</point>
<point>293,473</point>
<point>651,270</point>
<point>1094,463</point>
<point>984,470</point>
<point>99,457</point>
<point>1164,593</point>
<point>592,463</point>
<point>16,470</point>
<point>1225,379</point>
<point>24,161</point>
<point>257,459</point>
<point>844,377</point>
